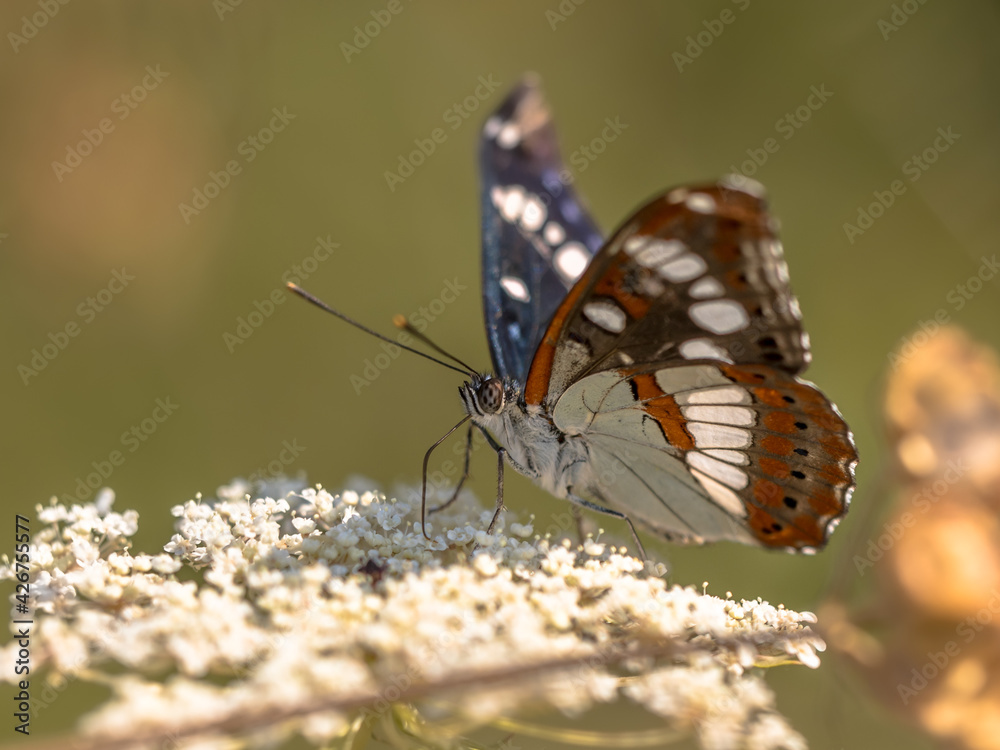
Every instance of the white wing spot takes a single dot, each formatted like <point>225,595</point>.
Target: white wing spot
<point>701,203</point>
<point>734,457</point>
<point>744,184</point>
<point>793,307</point>
<point>677,379</point>
<point>515,288</point>
<point>510,135</point>
<point>706,288</point>
<point>719,316</point>
<point>782,271</point>
<point>606,315</point>
<point>571,260</point>
<point>724,497</point>
<point>726,395</point>
<point>656,252</point>
<point>576,350</point>
<point>773,248</point>
<point>677,195</point>
<point>513,203</point>
<point>635,242</point>
<point>703,349</point>
<point>554,233</point>
<point>492,127</point>
<point>533,215</point>
<point>719,436</point>
<point>739,416</point>
<point>685,268</point>
<point>804,340</point>
<point>728,474</point>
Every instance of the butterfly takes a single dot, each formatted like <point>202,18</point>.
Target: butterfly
<point>652,376</point>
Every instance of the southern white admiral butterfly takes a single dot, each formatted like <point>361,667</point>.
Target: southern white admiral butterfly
<point>652,376</point>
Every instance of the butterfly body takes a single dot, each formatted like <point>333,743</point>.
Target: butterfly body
<point>534,446</point>
<point>653,375</point>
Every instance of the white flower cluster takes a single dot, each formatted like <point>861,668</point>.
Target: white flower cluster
<point>331,615</point>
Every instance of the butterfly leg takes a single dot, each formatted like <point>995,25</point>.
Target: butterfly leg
<point>465,475</point>
<point>584,525</point>
<point>423,487</point>
<point>614,514</point>
<point>501,455</point>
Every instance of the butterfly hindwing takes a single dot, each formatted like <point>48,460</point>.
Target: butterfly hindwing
<point>537,236</point>
<point>707,451</point>
<point>697,273</point>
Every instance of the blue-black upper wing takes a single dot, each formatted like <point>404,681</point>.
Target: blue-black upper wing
<point>537,236</point>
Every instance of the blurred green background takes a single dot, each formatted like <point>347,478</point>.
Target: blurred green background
<point>209,77</point>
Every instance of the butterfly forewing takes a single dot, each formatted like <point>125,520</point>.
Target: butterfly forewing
<point>697,273</point>
<point>537,236</point>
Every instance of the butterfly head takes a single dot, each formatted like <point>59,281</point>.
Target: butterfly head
<point>487,395</point>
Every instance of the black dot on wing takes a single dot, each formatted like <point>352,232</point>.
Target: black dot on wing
<point>788,399</point>
<point>801,425</point>
<point>768,342</point>
<point>798,475</point>
<point>635,389</point>
<point>790,502</point>
<point>802,451</point>
<point>773,356</point>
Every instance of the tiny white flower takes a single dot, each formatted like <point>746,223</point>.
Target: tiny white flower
<point>485,565</point>
<point>282,600</point>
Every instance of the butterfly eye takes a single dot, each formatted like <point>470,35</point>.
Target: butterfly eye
<point>491,396</point>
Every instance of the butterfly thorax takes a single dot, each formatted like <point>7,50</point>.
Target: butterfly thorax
<point>535,447</point>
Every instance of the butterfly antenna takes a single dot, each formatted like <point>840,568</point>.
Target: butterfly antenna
<point>402,323</point>
<point>323,306</point>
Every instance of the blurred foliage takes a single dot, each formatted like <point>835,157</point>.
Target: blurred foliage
<point>219,71</point>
